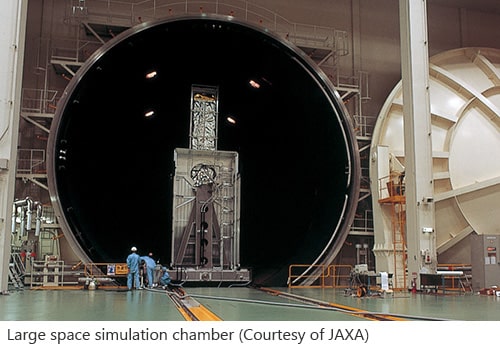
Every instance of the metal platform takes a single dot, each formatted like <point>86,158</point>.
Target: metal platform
<point>189,276</point>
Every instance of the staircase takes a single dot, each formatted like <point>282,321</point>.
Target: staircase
<point>16,271</point>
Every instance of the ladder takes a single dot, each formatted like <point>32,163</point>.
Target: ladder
<point>465,284</point>
<point>15,277</point>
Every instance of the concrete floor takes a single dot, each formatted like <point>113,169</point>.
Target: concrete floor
<point>236,304</point>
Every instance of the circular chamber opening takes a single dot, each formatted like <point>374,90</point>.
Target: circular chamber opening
<point>112,144</point>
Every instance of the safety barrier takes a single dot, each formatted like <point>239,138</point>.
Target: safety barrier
<point>339,276</point>
<point>105,269</point>
<point>324,276</point>
<point>456,283</point>
<point>103,273</point>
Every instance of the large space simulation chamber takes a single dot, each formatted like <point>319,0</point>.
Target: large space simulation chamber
<point>121,118</point>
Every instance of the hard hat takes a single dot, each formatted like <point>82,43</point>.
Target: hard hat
<point>134,249</point>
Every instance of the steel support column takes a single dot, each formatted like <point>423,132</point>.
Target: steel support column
<point>421,239</point>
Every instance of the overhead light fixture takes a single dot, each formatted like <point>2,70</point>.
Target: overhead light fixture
<point>231,120</point>
<point>151,74</point>
<point>149,114</point>
<point>254,84</point>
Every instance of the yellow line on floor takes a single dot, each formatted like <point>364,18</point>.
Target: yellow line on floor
<point>203,314</point>
<point>350,310</point>
<point>363,313</point>
<point>191,309</point>
<point>184,314</point>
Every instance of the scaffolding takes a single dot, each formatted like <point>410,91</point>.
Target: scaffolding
<point>394,188</point>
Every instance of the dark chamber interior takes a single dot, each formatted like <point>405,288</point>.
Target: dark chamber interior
<point>114,185</point>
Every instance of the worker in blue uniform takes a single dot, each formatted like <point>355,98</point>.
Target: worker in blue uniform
<point>133,261</point>
<point>150,268</point>
<point>165,278</point>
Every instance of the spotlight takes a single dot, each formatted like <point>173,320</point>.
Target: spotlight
<point>149,114</point>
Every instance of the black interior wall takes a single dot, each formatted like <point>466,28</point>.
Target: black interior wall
<point>111,168</point>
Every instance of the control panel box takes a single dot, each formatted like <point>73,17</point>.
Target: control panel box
<point>485,250</point>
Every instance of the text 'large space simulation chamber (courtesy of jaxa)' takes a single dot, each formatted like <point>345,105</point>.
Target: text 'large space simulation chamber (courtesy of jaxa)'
<point>125,116</point>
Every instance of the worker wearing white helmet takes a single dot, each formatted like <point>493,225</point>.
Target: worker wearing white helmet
<point>133,261</point>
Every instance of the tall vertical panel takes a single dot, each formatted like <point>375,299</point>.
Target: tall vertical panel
<point>12,32</point>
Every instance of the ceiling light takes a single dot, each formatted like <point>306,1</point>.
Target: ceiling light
<point>149,114</point>
<point>151,75</point>
<point>254,84</point>
<point>231,120</point>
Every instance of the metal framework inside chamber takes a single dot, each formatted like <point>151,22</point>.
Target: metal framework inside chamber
<point>206,195</point>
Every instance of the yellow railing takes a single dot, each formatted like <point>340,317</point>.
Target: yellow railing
<point>106,269</point>
<point>300,272</point>
<point>391,187</point>
<point>341,275</point>
<point>319,276</point>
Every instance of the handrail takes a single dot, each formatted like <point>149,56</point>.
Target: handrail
<point>105,269</point>
<point>31,161</point>
<point>455,267</point>
<point>301,275</point>
<point>391,186</point>
<point>363,221</point>
<point>326,272</point>
<point>147,10</point>
<point>453,279</point>
<point>337,276</point>
<point>39,100</point>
